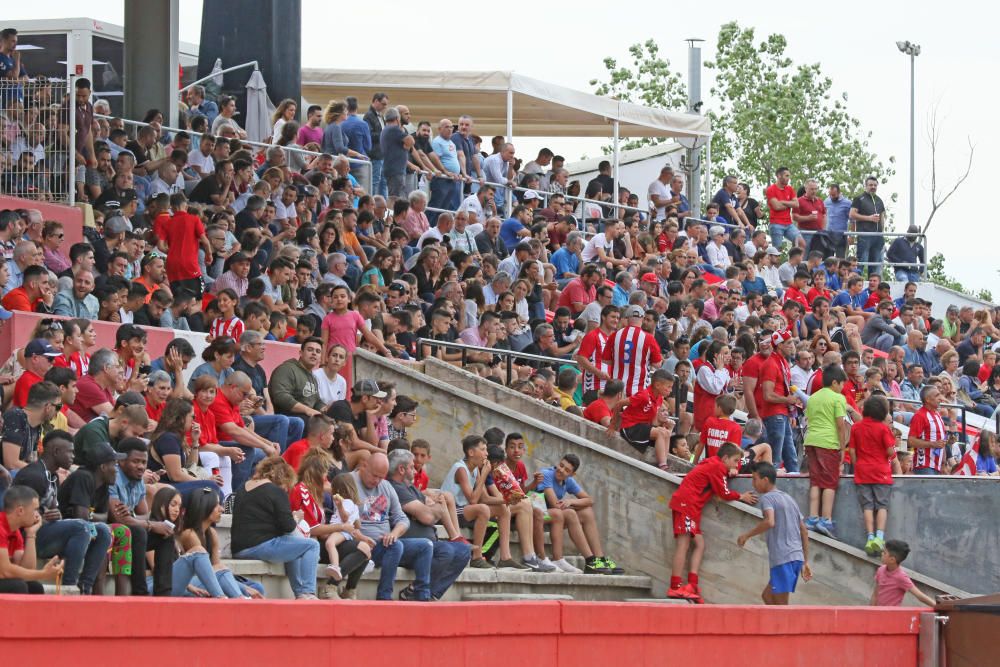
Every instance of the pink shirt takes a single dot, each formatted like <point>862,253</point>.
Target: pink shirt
<point>415,223</point>
<point>892,586</point>
<point>309,134</point>
<point>343,329</point>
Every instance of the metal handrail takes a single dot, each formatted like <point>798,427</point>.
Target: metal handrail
<point>950,406</point>
<point>508,355</point>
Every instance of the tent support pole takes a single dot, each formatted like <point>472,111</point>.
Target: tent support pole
<point>615,161</point>
<point>708,169</point>
<point>510,139</point>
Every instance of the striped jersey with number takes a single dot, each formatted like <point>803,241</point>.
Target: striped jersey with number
<point>928,425</point>
<point>630,351</point>
<point>232,327</point>
<point>592,348</point>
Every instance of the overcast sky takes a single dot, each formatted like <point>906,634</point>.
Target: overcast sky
<point>565,43</point>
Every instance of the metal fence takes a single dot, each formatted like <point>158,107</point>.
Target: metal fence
<point>36,156</point>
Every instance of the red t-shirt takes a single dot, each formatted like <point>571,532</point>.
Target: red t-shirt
<point>707,478</point>
<point>206,420</point>
<point>871,440</point>
<point>641,408</point>
<point>160,224</point>
<point>420,480</point>
<point>717,432</point>
<point>776,370</point>
<point>630,351</point>
<point>852,392</point>
<point>300,499</point>
<point>751,369</point>
<point>814,293</point>
<point>293,455</point>
<point>183,233</point>
<point>22,386</point>
<point>807,206</point>
<point>984,373</point>
<point>793,294</point>
<point>157,412</point>
<point>12,539</point>
<point>520,472</point>
<point>575,291</point>
<point>596,411</point>
<point>225,413</point>
<point>88,395</point>
<point>17,299</point>
<point>787,193</point>
<point>233,327</point>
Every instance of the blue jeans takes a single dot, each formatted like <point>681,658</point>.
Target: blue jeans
<point>779,435</point>
<point>904,276</point>
<point>445,194</point>
<point>299,554</point>
<point>715,271</point>
<point>242,471</point>
<point>379,184</point>
<point>870,250</point>
<point>197,569</point>
<point>414,553</point>
<point>884,342</point>
<point>281,429</point>
<point>83,554</point>
<point>781,232</point>
<point>450,558</point>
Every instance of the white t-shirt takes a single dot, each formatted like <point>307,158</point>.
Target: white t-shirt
<point>352,512</point>
<point>330,390</point>
<point>589,253</point>
<point>204,162</point>
<point>432,233</point>
<point>471,204</point>
<point>661,190</point>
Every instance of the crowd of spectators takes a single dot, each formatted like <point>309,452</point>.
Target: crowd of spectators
<point>196,230</point>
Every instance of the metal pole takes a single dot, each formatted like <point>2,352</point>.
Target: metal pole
<point>71,147</point>
<point>913,170</point>
<point>694,107</point>
<point>708,172</point>
<point>615,166</point>
<point>510,139</point>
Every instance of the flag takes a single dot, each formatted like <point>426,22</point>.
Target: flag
<point>967,466</point>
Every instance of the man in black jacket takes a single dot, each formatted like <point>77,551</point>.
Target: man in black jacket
<point>375,117</point>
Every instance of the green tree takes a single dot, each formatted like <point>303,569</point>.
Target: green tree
<point>768,112</point>
<point>649,81</point>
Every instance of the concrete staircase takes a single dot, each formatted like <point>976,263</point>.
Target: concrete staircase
<point>472,584</point>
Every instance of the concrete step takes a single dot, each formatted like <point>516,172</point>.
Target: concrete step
<point>658,600</point>
<point>512,597</point>
<point>472,581</point>
<point>50,589</point>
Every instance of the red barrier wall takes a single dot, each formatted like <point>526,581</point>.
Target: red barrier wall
<point>70,216</point>
<point>16,332</point>
<point>576,634</point>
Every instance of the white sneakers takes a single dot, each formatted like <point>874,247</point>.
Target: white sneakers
<point>563,566</point>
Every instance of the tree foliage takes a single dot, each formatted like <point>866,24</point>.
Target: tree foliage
<point>768,112</point>
<point>648,81</point>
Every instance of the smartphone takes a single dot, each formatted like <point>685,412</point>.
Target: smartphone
<point>170,524</point>
<point>145,370</point>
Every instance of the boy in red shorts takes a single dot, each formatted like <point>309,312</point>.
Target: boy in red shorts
<point>708,478</point>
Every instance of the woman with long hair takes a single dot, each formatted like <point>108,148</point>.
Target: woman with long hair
<point>266,528</point>
<point>332,385</point>
<point>219,357</point>
<point>161,551</point>
<point>475,304</point>
<point>711,380</point>
<point>294,159</point>
<point>284,113</point>
<point>199,545</point>
<point>212,455</point>
<point>170,448</point>
<point>378,272</point>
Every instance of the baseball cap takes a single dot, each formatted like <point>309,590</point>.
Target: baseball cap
<point>115,224</point>
<point>40,346</point>
<point>779,337</point>
<point>103,452</point>
<point>771,250</point>
<point>529,194</point>
<point>368,388</point>
<point>127,196</point>
<point>634,311</point>
<point>649,278</point>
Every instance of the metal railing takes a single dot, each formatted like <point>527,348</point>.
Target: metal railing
<point>949,406</point>
<point>37,146</point>
<point>507,356</point>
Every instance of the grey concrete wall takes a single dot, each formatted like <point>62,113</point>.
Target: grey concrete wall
<point>631,497</point>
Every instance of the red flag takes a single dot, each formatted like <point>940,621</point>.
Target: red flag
<point>967,466</point>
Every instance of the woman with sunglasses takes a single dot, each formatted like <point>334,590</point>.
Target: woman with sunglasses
<point>52,240</point>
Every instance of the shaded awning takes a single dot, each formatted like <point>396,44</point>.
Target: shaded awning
<point>540,109</point>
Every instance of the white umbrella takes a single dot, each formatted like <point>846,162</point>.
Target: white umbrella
<point>259,109</point>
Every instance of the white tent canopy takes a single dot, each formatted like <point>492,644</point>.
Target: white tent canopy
<point>497,100</point>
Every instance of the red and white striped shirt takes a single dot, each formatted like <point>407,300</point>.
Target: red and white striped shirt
<point>592,348</point>
<point>927,425</point>
<point>233,327</point>
<point>80,363</point>
<point>630,351</point>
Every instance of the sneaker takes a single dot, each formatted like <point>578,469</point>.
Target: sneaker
<point>812,522</point>
<point>460,539</point>
<point>879,546</point>
<point>512,564</point>
<point>349,594</point>
<point>370,567</point>
<point>480,563</point>
<point>539,565</point>
<point>564,566</point>
<point>870,547</point>
<point>698,599</point>
<point>333,571</point>
<point>612,566</point>
<point>826,527</point>
<point>685,592</point>
<point>595,566</point>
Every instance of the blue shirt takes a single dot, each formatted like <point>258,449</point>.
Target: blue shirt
<point>683,206</point>
<point>508,233</point>
<point>986,464</point>
<point>447,152</point>
<point>565,262</point>
<point>549,481</point>
<point>756,285</point>
<point>333,140</point>
<point>619,297</point>
<point>832,280</point>
<point>357,134</point>
<point>837,214</point>
<point>129,492</point>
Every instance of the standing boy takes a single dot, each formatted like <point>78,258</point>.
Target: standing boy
<point>873,449</point>
<point>708,478</point>
<point>787,537</point>
<point>891,582</point>
<point>825,441</point>
<point>719,429</point>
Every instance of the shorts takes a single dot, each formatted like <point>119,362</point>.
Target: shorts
<point>785,576</point>
<point>685,524</point>
<point>637,435</point>
<point>824,467</point>
<point>781,232</point>
<point>874,496</point>
<point>396,185</point>
<point>462,521</point>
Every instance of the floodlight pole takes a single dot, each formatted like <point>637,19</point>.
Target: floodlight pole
<point>614,195</point>
<point>694,107</point>
<point>912,50</point>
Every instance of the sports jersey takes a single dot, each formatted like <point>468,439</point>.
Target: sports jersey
<point>778,371</point>
<point>233,328</point>
<point>78,361</point>
<point>793,294</point>
<point>597,411</point>
<point>751,369</point>
<point>641,408</point>
<point>872,440</point>
<point>927,425</point>
<point>592,347</point>
<point>630,351</point>
<point>708,478</point>
<point>717,432</point>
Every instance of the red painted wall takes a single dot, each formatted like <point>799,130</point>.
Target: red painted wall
<point>575,634</point>
<point>70,216</point>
